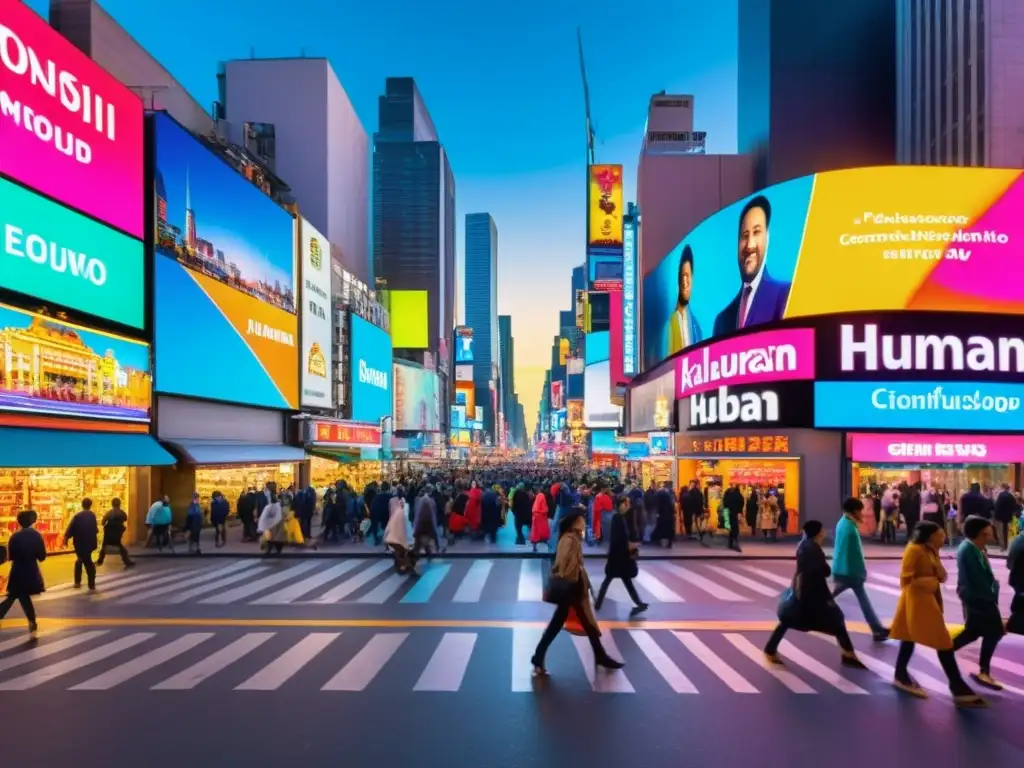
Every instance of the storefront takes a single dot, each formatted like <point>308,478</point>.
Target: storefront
<point>342,450</point>
<point>797,465</point>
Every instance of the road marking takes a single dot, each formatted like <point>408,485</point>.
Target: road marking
<point>213,586</point>
<point>47,649</point>
<point>933,660</point>
<point>617,592</point>
<point>531,581</point>
<point>297,590</point>
<point>736,682</point>
<point>284,668</point>
<point>447,667</point>
<point>248,590</point>
<point>660,660</point>
<point>386,588</point>
<point>887,672</point>
<point>74,663</point>
<point>188,679</point>
<point>816,668</point>
<point>143,663</point>
<point>426,584</point>
<point>602,680</point>
<point>341,591</point>
<point>756,655</point>
<point>114,580</point>
<point>524,643</point>
<point>886,590</point>
<point>782,581</point>
<point>365,665</point>
<point>473,582</point>
<point>701,582</point>
<point>23,640</point>
<point>148,581</point>
<point>205,582</point>
<point>659,591</point>
<point>753,586</point>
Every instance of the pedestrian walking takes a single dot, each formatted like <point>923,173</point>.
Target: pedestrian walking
<point>1006,509</point>
<point>732,503</point>
<point>807,606</point>
<point>114,525</point>
<point>246,507</point>
<point>849,567</point>
<point>25,549</point>
<point>220,508</point>
<point>1015,565</point>
<point>569,590</point>
<point>622,559</point>
<point>919,618</point>
<point>978,591</point>
<point>540,527</point>
<point>83,531</point>
<point>159,519</point>
<point>194,525</point>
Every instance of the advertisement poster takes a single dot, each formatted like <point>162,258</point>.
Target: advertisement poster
<point>606,206</point>
<point>417,399</point>
<point>370,370</point>
<point>463,344</point>
<point>214,221</point>
<point>464,373</point>
<point>317,345</point>
<point>629,330</point>
<point>58,369</point>
<point>651,404</point>
<point>79,143</point>
<point>408,310</point>
<point>598,409</point>
<point>556,395</point>
<point>867,239</point>
<point>941,449</point>
<point>56,255</point>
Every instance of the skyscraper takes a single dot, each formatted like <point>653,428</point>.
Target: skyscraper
<point>507,375</point>
<point>481,300</point>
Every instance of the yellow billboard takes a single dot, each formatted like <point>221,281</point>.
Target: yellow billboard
<point>408,311</point>
<point>606,206</point>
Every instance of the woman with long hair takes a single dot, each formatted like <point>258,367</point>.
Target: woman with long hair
<point>569,590</point>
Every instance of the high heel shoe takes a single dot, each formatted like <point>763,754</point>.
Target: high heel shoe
<point>608,663</point>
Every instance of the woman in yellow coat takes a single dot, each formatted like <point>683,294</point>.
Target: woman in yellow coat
<point>919,617</point>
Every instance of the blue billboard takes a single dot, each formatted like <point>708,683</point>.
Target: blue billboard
<point>369,370</point>
<point>463,344</point>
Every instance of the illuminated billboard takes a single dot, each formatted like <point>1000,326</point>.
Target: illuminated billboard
<point>463,344</point>
<point>866,239</point>
<point>408,319</point>
<point>604,219</point>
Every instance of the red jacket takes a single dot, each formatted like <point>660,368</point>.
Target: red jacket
<point>602,503</point>
<point>540,527</point>
<point>473,508</point>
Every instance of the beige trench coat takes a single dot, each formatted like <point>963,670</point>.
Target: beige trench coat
<point>569,565</point>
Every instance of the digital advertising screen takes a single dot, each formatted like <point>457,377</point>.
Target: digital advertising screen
<point>68,128</point>
<point>598,409</point>
<point>651,404</point>
<point>463,344</point>
<point>317,344</point>
<point>371,374</point>
<point>934,239</point>
<point>606,206</point>
<point>54,368</point>
<point>53,254</point>
<point>224,277</point>
<point>417,399</point>
<point>408,310</point>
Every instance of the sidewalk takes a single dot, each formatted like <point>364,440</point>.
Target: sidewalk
<point>507,548</point>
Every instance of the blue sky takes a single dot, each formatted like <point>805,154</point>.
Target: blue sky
<point>253,232</point>
<point>502,83</point>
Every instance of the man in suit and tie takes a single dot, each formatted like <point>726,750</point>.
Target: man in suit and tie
<point>683,328</point>
<point>761,299</point>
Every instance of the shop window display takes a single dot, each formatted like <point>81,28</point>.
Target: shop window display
<point>232,481</point>
<point>56,494</point>
<point>357,474</point>
<point>781,476</point>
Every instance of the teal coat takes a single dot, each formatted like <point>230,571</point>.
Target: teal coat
<point>847,552</point>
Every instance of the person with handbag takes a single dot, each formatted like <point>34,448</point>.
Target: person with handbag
<point>621,562</point>
<point>808,606</point>
<point>569,590</point>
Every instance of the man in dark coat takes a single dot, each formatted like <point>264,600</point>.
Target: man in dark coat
<point>910,506</point>
<point>732,502</point>
<point>665,528</point>
<point>1006,508</point>
<point>83,531</point>
<point>621,562</point>
<point>490,515</point>
<point>26,549</point>
<point>247,514</point>
<point>114,524</point>
<point>692,502</point>
<point>522,509</point>
<point>380,511</point>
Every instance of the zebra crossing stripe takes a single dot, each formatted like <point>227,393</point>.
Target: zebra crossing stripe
<point>365,665</point>
<point>473,582</point>
<point>37,652</point>
<point>816,668</point>
<point>189,678</point>
<point>341,591</point>
<point>531,581</point>
<point>894,590</point>
<point>307,585</point>
<point>667,668</point>
<point>75,663</point>
<point>22,639</point>
<point>782,581</point>
<point>753,586</point>
<point>524,643</point>
<point>602,680</point>
<point>701,582</point>
<point>933,660</point>
<point>427,584</point>
<point>248,590</point>
<point>147,580</point>
<point>386,588</point>
<point>283,669</point>
<point>724,672</point>
<point>137,666</point>
<point>659,591</point>
<point>213,586</point>
<point>230,574</point>
<point>752,652</point>
<point>447,667</point>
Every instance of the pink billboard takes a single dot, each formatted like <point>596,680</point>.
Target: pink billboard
<point>68,128</point>
<point>616,369</point>
<point>756,358</point>
<point>937,449</point>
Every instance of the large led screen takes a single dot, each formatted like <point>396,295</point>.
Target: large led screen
<point>59,369</point>
<point>371,370</point>
<point>598,409</point>
<point>417,399</point>
<point>887,238</point>
<point>651,404</point>
<point>408,310</point>
<point>224,280</point>
<point>68,128</point>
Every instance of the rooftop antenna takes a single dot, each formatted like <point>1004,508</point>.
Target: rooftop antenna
<point>586,99</point>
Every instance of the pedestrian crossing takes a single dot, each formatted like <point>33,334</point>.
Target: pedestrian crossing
<point>487,661</point>
<point>370,581</point>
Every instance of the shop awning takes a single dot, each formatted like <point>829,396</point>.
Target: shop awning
<point>340,455</point>
<point>200,452</point>
<point>29,448</point>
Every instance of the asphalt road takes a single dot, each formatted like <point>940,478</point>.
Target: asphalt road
<point>334,661</point>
